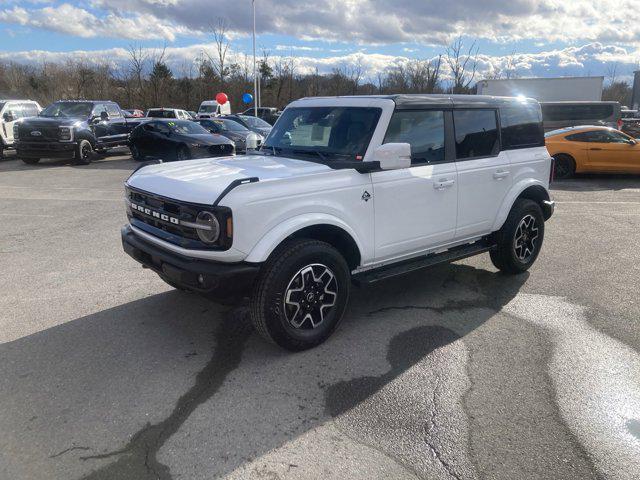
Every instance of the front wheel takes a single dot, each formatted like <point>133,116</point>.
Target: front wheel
<point>301,294</point>
<point>520,239</point>
<point>565,166</point>
<point>135,153</point>
<point>84,152</point>
<point>30,161</point>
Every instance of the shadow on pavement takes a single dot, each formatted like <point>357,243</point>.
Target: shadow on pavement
<point>105,393</point>
<point>596,182</point>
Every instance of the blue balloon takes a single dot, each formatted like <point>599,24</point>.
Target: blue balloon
<point>247,98</point>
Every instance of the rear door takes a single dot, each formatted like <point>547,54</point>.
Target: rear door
<point>415,208</point>
<point>484,173</point>
<point>117,124</point>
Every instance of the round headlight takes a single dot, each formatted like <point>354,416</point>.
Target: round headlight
<point>208,227</point>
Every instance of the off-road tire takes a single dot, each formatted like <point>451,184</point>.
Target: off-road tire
<point>267,305</point>
<point>565,166</point>
<point>84,153</point>
<point>505,257</point>
<point>30,161</point>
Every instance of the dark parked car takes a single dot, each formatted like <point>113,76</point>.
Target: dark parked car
<point>240,135</point>
<point>268,114</point>
<point>254,124</point>
<point>72,129</point>
<point>176,140</point>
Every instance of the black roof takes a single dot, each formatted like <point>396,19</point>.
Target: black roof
<point>422,100</point>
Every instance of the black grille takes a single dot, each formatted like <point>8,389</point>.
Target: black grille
<point>47,134</point>
<point>168,207</point>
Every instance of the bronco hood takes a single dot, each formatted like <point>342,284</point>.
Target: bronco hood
<point>202,181</point>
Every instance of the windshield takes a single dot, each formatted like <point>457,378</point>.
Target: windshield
<point>324,131</point>
<point>161,114</point>
<point>254,122</point>
<point>230,125</point>
<point>68,109</point>
<point>186,127</point>
<point>208,108</point>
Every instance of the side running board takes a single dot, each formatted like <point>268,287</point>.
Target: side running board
<point>407,266</point>
<point>232,185</point>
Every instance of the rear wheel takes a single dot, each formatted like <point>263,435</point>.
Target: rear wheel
<point>84,152</point>
<point>301,294</point>
<point>520,238</point>
<point>565,166</point>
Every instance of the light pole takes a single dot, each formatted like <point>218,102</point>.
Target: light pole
<point>255,76</point>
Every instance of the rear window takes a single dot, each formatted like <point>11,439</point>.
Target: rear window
<point>521,126</point>
<point>589,111</point>
<point>161,114</point>
<point>476,133</point>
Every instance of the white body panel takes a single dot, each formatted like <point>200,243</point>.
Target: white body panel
<point>415,209</point>
<point>407,212</point>
<point>13,106</point>
<point>483,184</point>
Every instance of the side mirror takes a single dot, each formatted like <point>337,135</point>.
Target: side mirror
<point>632,141</point>
<point>8,117</point>
<point>393,156</point>
<point>104,116</point>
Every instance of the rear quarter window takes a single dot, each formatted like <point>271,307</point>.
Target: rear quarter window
<point>521,126</point>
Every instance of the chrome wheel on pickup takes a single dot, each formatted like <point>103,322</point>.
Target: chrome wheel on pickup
<point>301,294</point>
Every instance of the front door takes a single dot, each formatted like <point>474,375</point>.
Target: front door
<point>615,152</point>
<point>415,208</point>
<point>484,174</point>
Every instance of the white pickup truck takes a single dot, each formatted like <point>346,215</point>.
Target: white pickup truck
<point>346,190</point>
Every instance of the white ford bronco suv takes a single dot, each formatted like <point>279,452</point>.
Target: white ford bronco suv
<point>346,190</point>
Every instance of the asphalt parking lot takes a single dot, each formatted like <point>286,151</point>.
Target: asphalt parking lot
<point>455,372</point>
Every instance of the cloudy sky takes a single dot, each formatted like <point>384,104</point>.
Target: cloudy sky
<point>543,37</point>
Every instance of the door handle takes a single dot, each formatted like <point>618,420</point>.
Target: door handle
<point>595,149</point>
<point>443,183</point>
<point>500,174</point>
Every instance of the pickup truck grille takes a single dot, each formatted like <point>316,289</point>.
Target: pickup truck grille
<point>47,134</point>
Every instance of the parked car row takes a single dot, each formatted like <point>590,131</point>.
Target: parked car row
<point>77,129</point>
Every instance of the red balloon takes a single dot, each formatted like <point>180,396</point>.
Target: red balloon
<point>222,98</point>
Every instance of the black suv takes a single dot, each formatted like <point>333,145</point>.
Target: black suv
<point>72,129</point>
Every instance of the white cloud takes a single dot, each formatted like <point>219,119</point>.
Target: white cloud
<point>593,58</point>
<point>69,19</point>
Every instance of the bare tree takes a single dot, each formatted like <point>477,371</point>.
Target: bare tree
<point>463,66</point>
<point>218,59</point>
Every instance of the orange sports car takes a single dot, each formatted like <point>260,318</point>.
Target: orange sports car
<point>592,149</point>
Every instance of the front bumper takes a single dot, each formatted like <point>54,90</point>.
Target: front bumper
<point>548,207</point>
<point>45,149</point>
<point>204,276</point>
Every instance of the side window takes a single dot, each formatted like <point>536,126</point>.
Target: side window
<point>476,133</point>
<point>16,110</point>
<point>113,111</point>
<point>521,126</point>
<point>616,137</point>
<point>149,127</point>
<point>423,130</point>
<point>29,109</point>
<point>98,109</point>
<point>595,136</point>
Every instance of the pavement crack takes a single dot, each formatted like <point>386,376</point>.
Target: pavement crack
<point>138,459</point>
<point>430,429</point>
<point>447,307</point>
<point>70,449</point>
